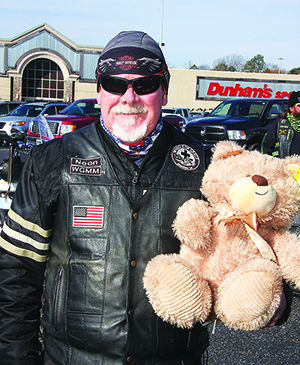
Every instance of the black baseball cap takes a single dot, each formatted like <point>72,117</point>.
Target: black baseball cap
<point>132,52</point>
<point>294,98</point>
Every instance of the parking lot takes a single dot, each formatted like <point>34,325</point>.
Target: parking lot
<point>275,346</point>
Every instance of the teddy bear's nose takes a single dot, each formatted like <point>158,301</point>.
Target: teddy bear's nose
<point>259,180</point>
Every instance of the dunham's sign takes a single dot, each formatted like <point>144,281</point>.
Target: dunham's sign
<point>221,88</point>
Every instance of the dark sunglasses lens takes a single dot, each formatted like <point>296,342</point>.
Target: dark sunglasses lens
<point>114,85</point>
<point>141,85</point>
<point>146,85</point>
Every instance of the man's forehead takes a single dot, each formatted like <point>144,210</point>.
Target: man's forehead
<point>128,76</point>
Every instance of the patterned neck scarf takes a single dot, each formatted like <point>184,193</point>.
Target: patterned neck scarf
<point>140,148</point>
<point>295,123</point>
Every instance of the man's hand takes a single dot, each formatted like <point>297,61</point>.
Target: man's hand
<point>278,313</point>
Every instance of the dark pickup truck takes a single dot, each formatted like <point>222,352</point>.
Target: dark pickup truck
<point>243,120</point>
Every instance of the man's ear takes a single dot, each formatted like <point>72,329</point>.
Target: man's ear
<point>98,96</point>
<point>165,99</point>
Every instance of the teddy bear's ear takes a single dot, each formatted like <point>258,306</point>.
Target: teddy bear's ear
<point>292,163</point>
<point>293,166</point>
<point>225,149</point>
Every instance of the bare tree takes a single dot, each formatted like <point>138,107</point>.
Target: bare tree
<point>192,66</point>
<point>232,62</point>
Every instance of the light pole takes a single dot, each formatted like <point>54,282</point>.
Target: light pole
<point>161,23</point>
<point>279,59</point>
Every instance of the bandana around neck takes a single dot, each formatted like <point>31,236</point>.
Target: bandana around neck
<point>140,148</point>
<point>295,123</point>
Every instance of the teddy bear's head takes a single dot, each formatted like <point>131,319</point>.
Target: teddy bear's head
<point>250,182</point>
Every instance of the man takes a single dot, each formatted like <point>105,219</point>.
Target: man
<point>282,140</point>
<point>91,209</point>
<point>283,137</point>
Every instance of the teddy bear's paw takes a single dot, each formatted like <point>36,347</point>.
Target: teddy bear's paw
<point>249,296</point>
<point>177,295</point>
<point>192,225</point>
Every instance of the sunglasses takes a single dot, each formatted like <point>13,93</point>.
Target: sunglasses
<point>141,85</point>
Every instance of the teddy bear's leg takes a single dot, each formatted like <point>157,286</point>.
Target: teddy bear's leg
<point>249,295</point>
<point>177,292</point>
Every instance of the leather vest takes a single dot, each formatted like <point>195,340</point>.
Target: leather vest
<point>95,309</point>
<point>285,135</point>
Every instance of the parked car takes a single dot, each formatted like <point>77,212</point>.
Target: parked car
<point>7,106</point>
<point>19,118</point>
<point>77,115</point>
<point>197,114</point>
<point>184,112</point>
<point>176,120</point>
<point>243,120</point>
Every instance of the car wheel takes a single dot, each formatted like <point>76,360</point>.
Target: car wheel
<point>256,146</point>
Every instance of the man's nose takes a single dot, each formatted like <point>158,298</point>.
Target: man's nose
<point>130,97</point>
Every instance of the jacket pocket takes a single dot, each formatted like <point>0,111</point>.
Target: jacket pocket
<point>86,287</point>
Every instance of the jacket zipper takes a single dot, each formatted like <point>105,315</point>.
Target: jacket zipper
<point>56,297</point>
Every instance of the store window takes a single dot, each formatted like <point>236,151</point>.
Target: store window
<point>43,80</point>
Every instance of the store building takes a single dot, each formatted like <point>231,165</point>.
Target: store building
<point>42,64</point>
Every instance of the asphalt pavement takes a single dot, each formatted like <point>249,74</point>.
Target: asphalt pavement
<point>275,346</point>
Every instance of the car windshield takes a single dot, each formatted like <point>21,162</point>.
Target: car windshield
<point>86,107</point>
<point>168,111</point>
<point>234,108</point>
<point>27,111</point>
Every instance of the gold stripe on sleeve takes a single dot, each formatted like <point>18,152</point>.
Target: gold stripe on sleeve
<point>22,252</point>
<point>21,237</point>
<point>29,225</point>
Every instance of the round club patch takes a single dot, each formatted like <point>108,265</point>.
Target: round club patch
<point>185,157</point>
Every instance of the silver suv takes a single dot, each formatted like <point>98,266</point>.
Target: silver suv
<point>19,118</point>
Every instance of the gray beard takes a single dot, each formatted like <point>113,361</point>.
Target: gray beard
<point>129,136</point>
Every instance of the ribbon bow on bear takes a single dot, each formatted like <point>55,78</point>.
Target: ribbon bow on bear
<point>251,224</point>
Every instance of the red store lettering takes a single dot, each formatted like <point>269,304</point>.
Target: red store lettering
<point>215,88</point>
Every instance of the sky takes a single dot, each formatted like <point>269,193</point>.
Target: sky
<point>194,31</point>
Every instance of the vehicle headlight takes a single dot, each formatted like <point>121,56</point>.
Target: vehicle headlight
<point>67,128</point>
<point>236,135</point>
<point>17,124</point>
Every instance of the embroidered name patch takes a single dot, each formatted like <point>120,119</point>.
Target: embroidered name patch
<point>83,166</point>
<point>185,157</point>
<point>88,216</point>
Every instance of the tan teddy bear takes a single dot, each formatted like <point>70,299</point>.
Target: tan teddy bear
<point>235,248</point>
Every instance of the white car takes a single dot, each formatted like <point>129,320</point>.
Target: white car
<point>184,112</point>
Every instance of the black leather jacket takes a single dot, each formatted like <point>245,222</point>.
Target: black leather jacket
<point>109,219</point>
<point>281,140</point>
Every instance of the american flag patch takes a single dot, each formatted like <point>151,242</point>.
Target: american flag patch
<point>88,216</point>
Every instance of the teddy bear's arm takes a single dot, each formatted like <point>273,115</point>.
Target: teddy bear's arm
<point>193,222</point>
<point>287,249</point>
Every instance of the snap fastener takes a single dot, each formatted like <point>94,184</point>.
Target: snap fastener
<point>133,263</point>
